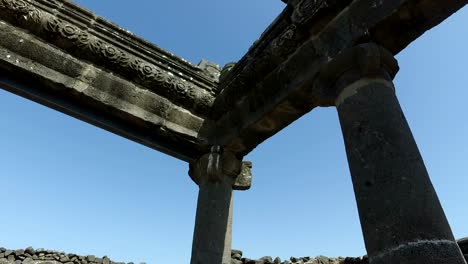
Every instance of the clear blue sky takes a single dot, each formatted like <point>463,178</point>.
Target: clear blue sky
<point>69,186</point>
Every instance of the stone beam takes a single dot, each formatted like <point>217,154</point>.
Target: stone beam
<point>62,56</point>
<point>271,86</point>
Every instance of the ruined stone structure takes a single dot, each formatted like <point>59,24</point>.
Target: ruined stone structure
<point>317,53</point>
<point>43,256</point>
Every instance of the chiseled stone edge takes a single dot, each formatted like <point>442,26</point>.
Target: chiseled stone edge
<point>160,124</point>
<point>282,38</point>
<point>81,42</point>
<point>334,25</point>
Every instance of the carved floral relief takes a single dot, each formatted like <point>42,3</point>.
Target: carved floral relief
<point>65,35</point>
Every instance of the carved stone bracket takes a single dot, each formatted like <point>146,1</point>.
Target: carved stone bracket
<point>244,179</point>
<point>218,164</point>
<point>80,41</point>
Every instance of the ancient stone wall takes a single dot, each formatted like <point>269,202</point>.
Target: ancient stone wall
<point>42,256</point>
<point>238,259</point>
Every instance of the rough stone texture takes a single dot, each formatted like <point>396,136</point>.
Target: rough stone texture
<point>43,256</point>
<point>271,86</point>
<point>65,57</point>
<point>264,92</point>
<point>463,244</point>
<point>82,34</point>
<point>401,217</point>
<point>215,174</point>
<point>38,71</point>
<point>243,181</point>
<point>237,258</point>
<point>62,56</point>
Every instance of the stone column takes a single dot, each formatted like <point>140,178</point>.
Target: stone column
<point>401,217</point>
<point>215,173</point>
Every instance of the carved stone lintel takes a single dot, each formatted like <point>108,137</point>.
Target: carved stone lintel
<point>363,61</point>
<point>165,77</point>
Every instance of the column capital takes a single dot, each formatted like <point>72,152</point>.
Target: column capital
<point>219,164</point>
<point>364,61</point>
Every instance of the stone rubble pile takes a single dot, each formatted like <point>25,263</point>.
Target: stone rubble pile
<point>236,258</point>
<point>42,256</point>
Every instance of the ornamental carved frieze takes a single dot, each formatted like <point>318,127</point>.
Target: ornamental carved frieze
<point>297,24</point>
<point>84,45</point>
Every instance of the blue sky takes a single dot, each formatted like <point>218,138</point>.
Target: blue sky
<point>69,186</point>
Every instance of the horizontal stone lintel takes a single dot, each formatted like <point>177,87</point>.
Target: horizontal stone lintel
<point>38,71</point>
<point>85,36</point>
<point>276,91</point>
<point>268,89</point>
<point>332,26</point>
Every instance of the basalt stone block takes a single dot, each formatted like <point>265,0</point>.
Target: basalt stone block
<point>30,250</point>
<point>236,252</point>
<point>236,256</point>
<point>248,261</point>
<point>19,252</point>
<point>266,260</point>
<point>463,244</point>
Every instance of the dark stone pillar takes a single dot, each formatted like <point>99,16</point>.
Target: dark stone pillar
<point>215,174</point>
<point>401,217</point>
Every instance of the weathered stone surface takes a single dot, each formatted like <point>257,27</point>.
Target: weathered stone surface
<point>99,73</point>
<point>264,93</point>
<point>317,260</point>
<point>463,244</point>
<point>401,216</point>
<point>161,101</point>
<point>93,70</point>
<point>215,173</point>
<point>236,254</point>
<point>33,69</point>
<point>42,256</point>
<point>95,39</point>
<point>244,180</point>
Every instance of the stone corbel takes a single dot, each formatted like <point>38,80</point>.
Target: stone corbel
<point>219,165</point>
